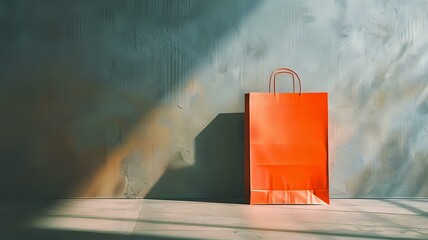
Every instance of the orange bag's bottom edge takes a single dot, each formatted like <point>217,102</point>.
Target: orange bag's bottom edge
<point>289,197</point>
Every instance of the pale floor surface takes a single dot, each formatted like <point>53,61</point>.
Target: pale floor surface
<point>164,219</point>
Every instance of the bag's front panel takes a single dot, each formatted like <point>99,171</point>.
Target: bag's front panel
<point>288,147</point>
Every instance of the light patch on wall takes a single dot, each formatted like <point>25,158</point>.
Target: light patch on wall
<point>155,144</point>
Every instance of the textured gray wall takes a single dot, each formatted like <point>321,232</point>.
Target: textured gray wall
<point>142,98</point>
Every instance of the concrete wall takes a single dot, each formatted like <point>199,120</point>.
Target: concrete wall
<point>145,98</point>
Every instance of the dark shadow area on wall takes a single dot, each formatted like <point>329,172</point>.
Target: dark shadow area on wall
<point>218,174</point>
<point>77,76</point>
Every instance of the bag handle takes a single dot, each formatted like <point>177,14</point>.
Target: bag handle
<point>274,76</point>
<point>284,70</point>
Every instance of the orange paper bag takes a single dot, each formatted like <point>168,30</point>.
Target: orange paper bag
<point>286,145</point>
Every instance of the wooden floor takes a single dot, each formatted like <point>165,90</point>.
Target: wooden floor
<point>159,219</point>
